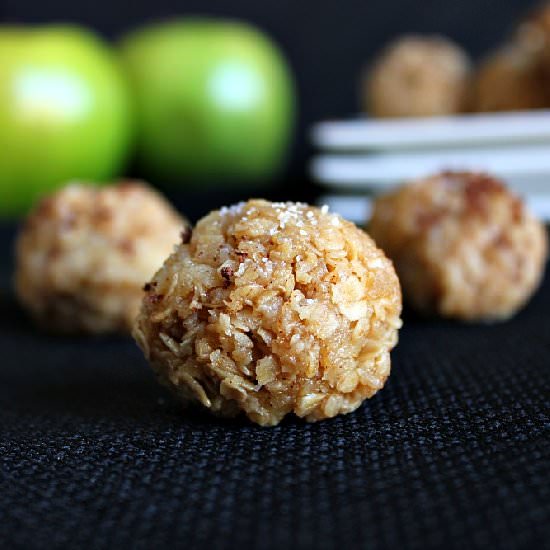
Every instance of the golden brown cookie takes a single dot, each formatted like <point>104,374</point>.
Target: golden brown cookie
<point>84,254</point>
<point>509,80</point>
<point>462,244</point>
<point>417,76</point>
<point>270,309</point>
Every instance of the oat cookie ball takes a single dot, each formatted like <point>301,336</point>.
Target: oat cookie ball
<point>462,244</point>
<point>270,309</point>
<point>509,80</point>
<point>417,76</point>
<point>84,254</point>
<point>533,34</point>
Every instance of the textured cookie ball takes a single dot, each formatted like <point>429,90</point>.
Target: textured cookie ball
<point>417,76</point>
<point>273,308</point>
<point>509,80</point>
<point>462,244</point>
<point>533,33</point>
<point>84,254</point>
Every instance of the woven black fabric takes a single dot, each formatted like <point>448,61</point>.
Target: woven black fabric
<point>453,452</point>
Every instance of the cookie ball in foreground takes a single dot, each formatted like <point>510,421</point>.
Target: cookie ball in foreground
<point>462,244</point>
<point>270,309</point>
<point>509,80</point>
<point>84,254</point>
<point>417,76</point>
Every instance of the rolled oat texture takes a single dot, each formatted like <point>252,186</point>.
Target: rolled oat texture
<point>84,254</point>
<point>463,245</point>
<point>270,309</point>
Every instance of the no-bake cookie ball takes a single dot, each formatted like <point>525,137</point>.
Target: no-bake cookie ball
<point>417,76</point>
<point>463,245</point>
<point>84,254</point>
<point>509,80</point>
<point>270,309</point>
<point>533,34</point>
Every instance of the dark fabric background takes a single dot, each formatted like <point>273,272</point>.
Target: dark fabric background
<point>453,452</point>
<point>327,42</point>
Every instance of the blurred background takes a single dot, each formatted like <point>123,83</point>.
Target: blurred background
<point>327,45</point>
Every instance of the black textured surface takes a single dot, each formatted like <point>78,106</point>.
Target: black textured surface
<point>453,452</point>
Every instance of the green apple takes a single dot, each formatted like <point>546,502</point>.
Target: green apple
<point>65,112</point>
<point>215,101</point>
